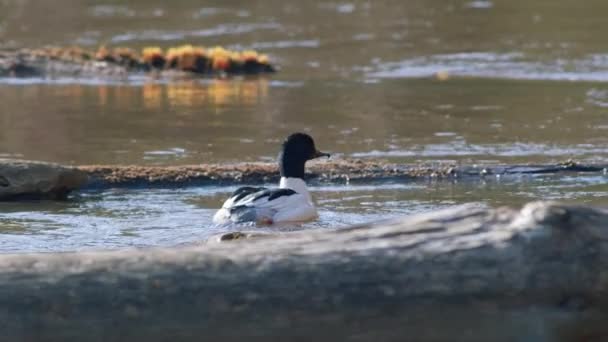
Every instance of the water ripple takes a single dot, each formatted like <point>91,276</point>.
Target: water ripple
<point>496,65</point>
<point>457,148</point>
<point>284,44</point>
<point>598,97</point>
<point>219,30</point>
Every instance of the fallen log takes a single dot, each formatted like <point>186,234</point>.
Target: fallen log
<point>463,274</point>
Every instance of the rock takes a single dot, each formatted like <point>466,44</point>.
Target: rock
<point>462,274</point>
<point>233,236</point>
<point>32,179</point>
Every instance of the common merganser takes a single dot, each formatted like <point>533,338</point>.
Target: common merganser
<point>291,202</point>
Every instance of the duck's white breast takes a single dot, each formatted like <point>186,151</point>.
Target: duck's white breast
<point>294,208</point>
<point>297,207</point>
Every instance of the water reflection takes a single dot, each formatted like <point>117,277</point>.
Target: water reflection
<point>458,120</point>
<point>216,92</point>
<point>188,94</point>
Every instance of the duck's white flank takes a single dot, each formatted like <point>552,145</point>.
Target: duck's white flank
<point>296,207</point>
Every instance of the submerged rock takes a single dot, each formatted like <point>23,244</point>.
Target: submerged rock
<point>33,179</point>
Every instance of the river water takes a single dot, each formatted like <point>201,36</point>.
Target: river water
<point>464,82</point>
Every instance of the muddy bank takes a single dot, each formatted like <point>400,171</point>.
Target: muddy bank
<point>462,274</point>
<point>19,178</point>
<point>330,172</point>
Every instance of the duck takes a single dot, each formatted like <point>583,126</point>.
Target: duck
<point>290,202</point>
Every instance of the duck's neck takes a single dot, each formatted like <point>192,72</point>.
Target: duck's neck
<point>296,184</point>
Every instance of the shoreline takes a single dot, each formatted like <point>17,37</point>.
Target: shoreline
<point>26,179</point>
<point>341,171</point>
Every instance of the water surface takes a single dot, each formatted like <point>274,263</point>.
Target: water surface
<point>456,81</point>
<point>119,218</point>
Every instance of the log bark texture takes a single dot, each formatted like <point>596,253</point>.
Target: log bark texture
<point>463,274</point>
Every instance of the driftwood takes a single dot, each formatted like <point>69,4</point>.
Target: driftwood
<point>464,274</point>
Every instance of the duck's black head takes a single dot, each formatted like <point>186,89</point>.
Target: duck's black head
<point>297,149</point>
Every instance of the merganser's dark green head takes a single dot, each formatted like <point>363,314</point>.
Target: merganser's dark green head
<point>297,149</point>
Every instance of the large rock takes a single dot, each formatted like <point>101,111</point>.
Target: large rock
<point>465,274</point>
<point>32,179</point>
